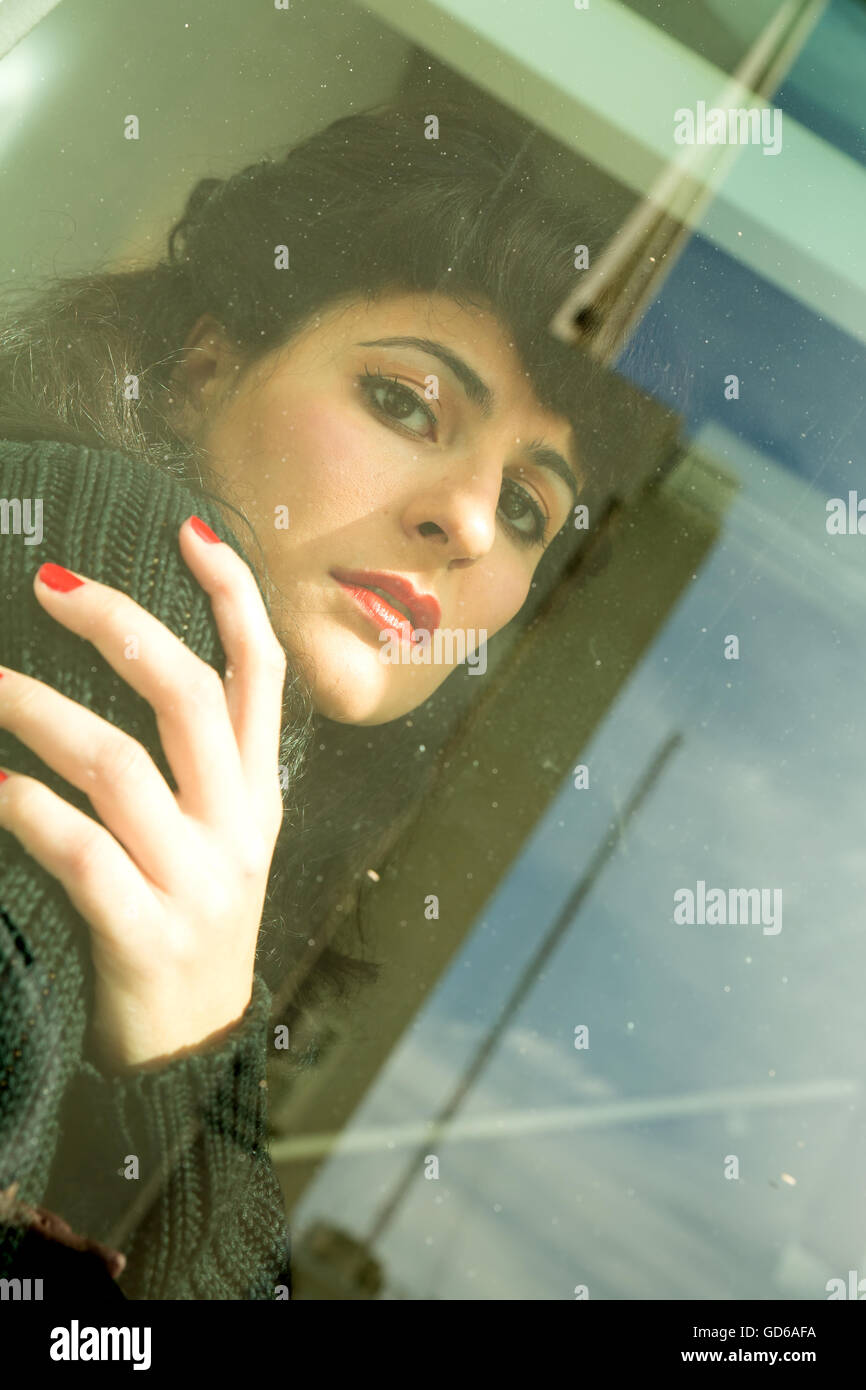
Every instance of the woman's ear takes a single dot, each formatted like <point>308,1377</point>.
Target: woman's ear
<point>200,378</point>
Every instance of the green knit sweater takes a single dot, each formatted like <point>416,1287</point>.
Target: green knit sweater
<point>205,1217</point>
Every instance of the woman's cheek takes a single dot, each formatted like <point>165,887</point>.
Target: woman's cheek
<point>495,600</point>
<point>336,457</point>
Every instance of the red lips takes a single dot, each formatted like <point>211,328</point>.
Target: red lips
<point>424,608</point>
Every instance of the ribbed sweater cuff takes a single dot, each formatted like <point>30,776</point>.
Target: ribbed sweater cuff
<point>217,1096</point>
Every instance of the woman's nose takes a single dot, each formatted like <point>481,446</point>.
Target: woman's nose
<point>458,515</point>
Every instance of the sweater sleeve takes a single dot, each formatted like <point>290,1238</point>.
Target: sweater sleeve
<point>171,1166</point>
<point>167,1164</point>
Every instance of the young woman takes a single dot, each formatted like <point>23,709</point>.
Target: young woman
<point>334,409</point>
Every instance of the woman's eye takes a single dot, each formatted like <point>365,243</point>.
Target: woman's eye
<point>524,517</point>
<point>522,513</point>
<point>398,403</point>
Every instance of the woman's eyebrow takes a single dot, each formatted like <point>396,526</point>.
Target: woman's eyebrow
<point>481,395</point>
<point>477,390</point>
<point>549,458</point>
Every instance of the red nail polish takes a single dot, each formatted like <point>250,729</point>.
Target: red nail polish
<point>56,577</point>
<point>4,776</point>
<point>202,529</point>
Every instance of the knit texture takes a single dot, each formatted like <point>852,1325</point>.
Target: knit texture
<point>205,1217</point>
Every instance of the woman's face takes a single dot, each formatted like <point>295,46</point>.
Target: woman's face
<point>417,468</point>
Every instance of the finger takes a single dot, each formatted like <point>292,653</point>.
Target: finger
<point>256,667</point>
<point>124,785</point>
<point>101,881</point>
<point>186,694</point>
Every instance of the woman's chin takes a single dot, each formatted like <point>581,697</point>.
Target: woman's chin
<point>353,685</point>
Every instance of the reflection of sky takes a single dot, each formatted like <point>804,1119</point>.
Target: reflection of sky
<point>766,790</point>
<point>798,377</point>
<point>824,89</point>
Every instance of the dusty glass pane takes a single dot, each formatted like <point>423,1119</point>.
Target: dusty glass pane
<point>546,983</point>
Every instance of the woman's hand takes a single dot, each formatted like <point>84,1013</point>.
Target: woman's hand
<point>171,885</point>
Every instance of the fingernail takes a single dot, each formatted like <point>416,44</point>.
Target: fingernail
<point>202,529</point>
<point>56,577</point>
<point>4,776</point>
